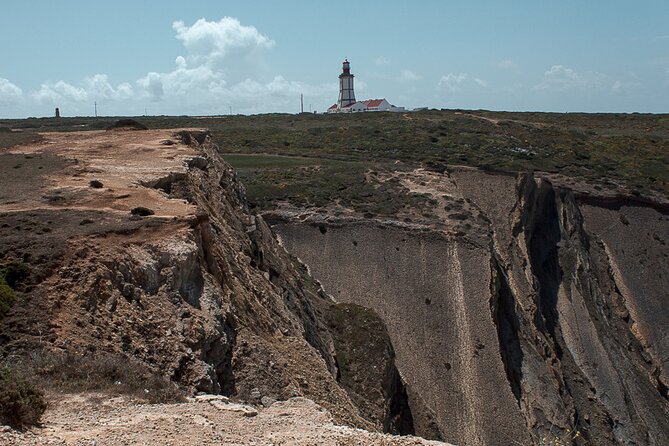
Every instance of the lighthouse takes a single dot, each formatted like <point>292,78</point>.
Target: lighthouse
<point>346,95</point>
<point>347,103</point>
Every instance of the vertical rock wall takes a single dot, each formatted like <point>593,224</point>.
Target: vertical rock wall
<point>550,327</point>
<point>434,295</point>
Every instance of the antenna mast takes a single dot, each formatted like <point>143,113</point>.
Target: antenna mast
<point>301,103</point>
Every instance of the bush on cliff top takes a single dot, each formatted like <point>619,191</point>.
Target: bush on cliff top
<point>127,124</point>
<point>11,274</point>
<point>21,403</point>
<point>100,372</point>
<point>14,272</point>
<point>7,297</point>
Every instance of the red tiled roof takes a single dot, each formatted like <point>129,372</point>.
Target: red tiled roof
<point>373,102</point>
<point>369,103</point>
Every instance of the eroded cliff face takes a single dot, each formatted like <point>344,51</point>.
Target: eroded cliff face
<point>543,317</point>
<point>200,291</point>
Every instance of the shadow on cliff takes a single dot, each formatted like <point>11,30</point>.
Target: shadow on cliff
<point>544,236</point>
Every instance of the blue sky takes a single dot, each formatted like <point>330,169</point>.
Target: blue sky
<point>203,57</point>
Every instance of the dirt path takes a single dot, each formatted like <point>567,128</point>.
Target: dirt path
<point>94,419</point>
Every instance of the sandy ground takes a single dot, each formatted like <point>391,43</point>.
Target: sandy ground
<point>57,173</point>
<point>94,419</point>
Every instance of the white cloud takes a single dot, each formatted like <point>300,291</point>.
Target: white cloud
<point>561,78</point>
<point>278,94</point>
<point>218,54</point>
<point>152,86</point>
<point>457,82</point>
<point>452,82</point>
<point>125,90</point>
<point>408,75</point>
<point>212,42</point>
<point>223,65</point>
<point>507,64</point>
<point>481,82</point>
<point>9,92</point>
<point>630,84</point>
<point>278,87</point>
<point>98,87</point>
<point>381,61</point>
<point>94,87</point>
<point>181,81</point>
<point>50,93</point>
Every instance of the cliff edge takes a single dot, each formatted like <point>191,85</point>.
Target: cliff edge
<point>140,246</point>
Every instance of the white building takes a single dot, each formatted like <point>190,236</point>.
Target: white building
<point>347,103</point>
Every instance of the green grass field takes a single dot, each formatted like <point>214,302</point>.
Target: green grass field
<point>317,182</point>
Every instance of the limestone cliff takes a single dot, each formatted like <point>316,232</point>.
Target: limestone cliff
<point>541,314</point>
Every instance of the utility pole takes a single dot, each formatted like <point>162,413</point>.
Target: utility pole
<point>95,104</point>
<point>301,103</point>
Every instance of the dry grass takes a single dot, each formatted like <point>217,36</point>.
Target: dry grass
<point>113,374</point>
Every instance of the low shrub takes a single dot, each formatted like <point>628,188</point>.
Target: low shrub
<point>67,372</point>
<point>7,297</point>
<point>142,211</point>
<point>13,272</point>
<point>127,124</point>
<point>21,403</point>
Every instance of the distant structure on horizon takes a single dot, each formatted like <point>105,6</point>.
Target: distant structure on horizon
<point>347,103</point>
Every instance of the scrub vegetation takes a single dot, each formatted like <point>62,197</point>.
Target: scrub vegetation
<point>12,273</point>
<point>311,160</point>
<point>25,380</point>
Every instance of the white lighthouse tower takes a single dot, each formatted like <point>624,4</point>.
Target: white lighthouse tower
<point>346,95</point>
